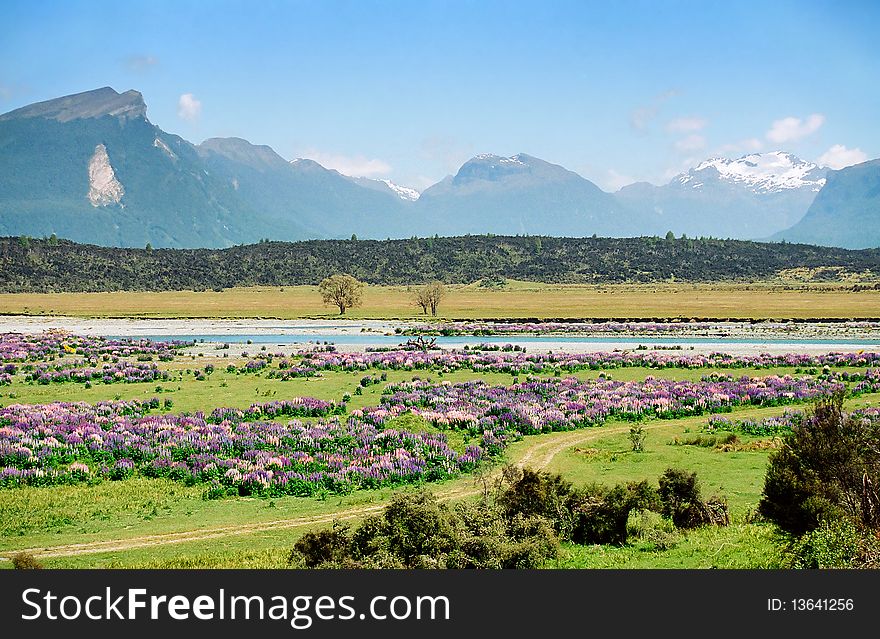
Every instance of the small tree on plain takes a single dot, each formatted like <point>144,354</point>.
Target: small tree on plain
<point>637,436</point>
<point>429,296</point>
<point>420,297</point>
<point>342,291</point>
<point>438,292</point>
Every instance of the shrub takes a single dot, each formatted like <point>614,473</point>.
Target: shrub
<point>488,540</point>
<point>531,551</point>
<point>25,561</point>
<point>680,499</point>
<point>652,528</point>
<point>828,468</point>
<point>534,494</point>
<point>418,528</point>
<point>637,436</point>
<point>518,526</point>
<point>833,544</point>
<point>415,531</point>
<point>331,546</point>
<point>601,515</point>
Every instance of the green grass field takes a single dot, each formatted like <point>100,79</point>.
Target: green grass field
<point>517,300</point>
<point>158,523</point>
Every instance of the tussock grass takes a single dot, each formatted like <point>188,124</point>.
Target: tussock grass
<point>762,300</point>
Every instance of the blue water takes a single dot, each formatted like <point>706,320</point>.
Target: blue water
<point>393,340</point>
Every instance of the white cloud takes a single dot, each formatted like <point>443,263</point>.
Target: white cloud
<point>792,129</point>
<point>686,125</point>
<point>615,181</point>
<point>838,157</point>
<point>691,143</point>
<point>188,107</point>
<point>355,166</point>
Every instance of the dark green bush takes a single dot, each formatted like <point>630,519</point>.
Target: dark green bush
<point>323,547</point>
<point>828,468</point>
<point>680,499</point>
<point>418,528</point>
<point>601,514</point>
<point>519,525</point>
<point>415,531</point>
<point>536,494</point>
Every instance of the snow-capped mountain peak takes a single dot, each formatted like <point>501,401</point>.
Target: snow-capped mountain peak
<point>513,159</point>
<point>759,172</point>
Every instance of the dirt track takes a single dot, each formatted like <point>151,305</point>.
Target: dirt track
<point>538,456</point>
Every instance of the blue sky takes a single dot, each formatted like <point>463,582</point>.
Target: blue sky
<point>617,91</point>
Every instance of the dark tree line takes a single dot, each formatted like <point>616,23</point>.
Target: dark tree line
<point>59,265</point>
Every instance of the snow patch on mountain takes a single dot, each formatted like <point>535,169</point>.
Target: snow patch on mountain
<point>403,192</point>
<point>159,144</point>
<point>513,159</point>
<point>104,188</point>
<point>761,172</point>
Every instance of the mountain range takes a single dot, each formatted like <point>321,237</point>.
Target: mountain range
<point>91,167</point>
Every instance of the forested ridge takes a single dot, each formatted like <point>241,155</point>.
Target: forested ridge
<point>52,265</point>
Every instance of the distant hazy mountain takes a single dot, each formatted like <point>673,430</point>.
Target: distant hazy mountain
<point>846,212</point>
<point>750,197</point>
<point>92,168</point>
<point>300,199</point>
<point>521,194</point>
<point>91,104</point>
<point>405,193</point>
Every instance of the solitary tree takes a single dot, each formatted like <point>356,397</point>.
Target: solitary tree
<point>420,297</point>
<point>342,291</point>
<point>429,296</point>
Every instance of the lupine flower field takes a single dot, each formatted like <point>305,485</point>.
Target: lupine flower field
<point>101,434</point>
<point>236,449</point>
<point>668,329</point>
<point>16,347</point>
<point>306,445</point>
<point>521,363</point>
<point>77,442</point>
<point>772,426</point>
